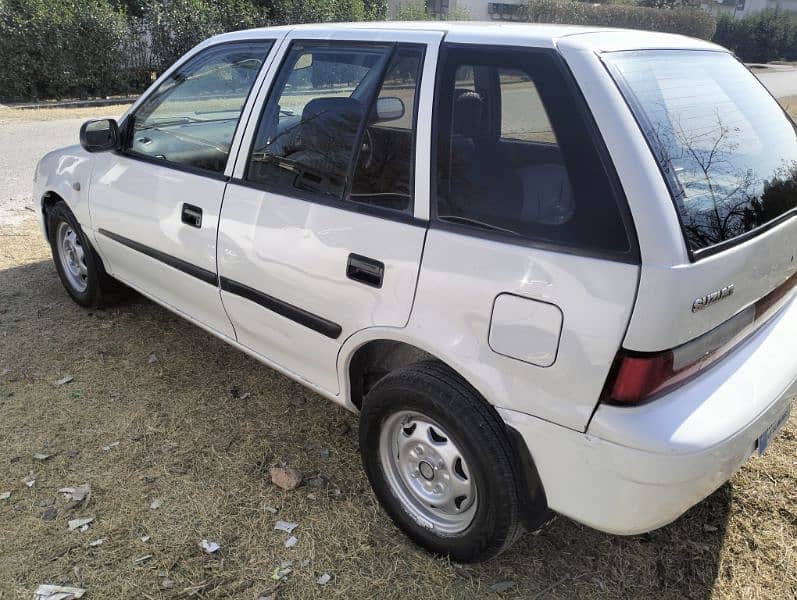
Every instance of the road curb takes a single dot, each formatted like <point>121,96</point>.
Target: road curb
<point>73,103</point>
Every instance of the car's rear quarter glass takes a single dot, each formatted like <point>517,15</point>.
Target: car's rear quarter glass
<point>727,149</point>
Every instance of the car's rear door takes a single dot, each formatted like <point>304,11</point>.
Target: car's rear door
<point>323,224</point>
<point>155,204</point>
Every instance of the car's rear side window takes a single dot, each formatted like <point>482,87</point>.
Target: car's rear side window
<point>727,149</point>
<point>517,156</point>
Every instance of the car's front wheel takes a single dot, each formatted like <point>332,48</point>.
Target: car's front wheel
<point>440,462</point>
<point>78,266</point>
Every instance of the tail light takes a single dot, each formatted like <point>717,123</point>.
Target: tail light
<point>638,377</point>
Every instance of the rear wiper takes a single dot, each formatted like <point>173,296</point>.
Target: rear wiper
<point>475,222</point>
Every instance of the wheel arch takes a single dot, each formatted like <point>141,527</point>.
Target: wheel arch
<point>371,357</point>
<point>48,200</point>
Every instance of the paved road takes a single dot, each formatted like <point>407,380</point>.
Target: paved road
<point>781,80</point>
<point>23,143</point>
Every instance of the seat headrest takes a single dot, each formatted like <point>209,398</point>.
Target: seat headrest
<point>333,108</point>
<point>467,114</point>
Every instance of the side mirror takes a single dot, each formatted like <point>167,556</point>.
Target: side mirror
<point>389,108</point>
<point>99,135</point>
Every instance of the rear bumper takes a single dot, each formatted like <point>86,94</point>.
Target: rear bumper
<point>637,469</point>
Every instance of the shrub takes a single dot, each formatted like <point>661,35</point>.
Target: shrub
<point>417,10</point>
<point>176,26</point>
<point>53,48</point>
<point>761,37</point>
<point>686,21</point>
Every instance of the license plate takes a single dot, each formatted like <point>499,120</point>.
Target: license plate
<point>771,431</point>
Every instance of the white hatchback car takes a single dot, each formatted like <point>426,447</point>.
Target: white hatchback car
<point>551,267</point>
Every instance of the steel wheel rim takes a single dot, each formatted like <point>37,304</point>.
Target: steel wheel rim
<point>427,472</point>
<point>72,257</point>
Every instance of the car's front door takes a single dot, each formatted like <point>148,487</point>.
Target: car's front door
<point>323,225</point>
<point>155,204</point>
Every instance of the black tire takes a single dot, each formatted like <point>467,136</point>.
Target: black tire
<point>100,288</point>
<point>437,392</point>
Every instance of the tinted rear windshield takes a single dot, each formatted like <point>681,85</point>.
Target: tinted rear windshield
<point>727,149</point>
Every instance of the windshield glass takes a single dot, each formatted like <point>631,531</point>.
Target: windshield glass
<point>728,150</point>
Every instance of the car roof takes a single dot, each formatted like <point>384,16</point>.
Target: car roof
<point>541,35</point>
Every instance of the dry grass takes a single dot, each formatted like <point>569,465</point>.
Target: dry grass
<point>186,440</point>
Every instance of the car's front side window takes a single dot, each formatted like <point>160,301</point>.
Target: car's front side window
<point>190,119</point>
<point>339,124</point>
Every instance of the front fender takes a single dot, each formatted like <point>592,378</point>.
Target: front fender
<point>65,172</point>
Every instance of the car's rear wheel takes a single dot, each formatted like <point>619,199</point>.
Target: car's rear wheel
<point>79,268</point>
<point>440,462</point>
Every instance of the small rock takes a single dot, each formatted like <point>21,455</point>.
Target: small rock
<point>324,579</point>
<point>155,504</point>
<point>57,592</point>
<point>209,547</point>
<point>324,453</point>
<point>97,542</point>
<point>72,453</point>
<point>77,493</point>
<point>30,480</point>
<point>311,496</point>
<point>244,396</point>
<point>166,584</point>
<point>299,401</point>
<point>286,477</point>
<point>64,380</point>
<point>501,586</point>
<point>110,446</point>
<point>5,495</point>
<point>319,481</point>
<point>50,514</point>
<point>41,456</point>
<point>291,541</point>
<point>709,528</point>
<point>152,358</point>
<point>280,573</point>
<point>81,523</point>
<point>286,526</point>
<point>270,509</point>
<point>144,539</point>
